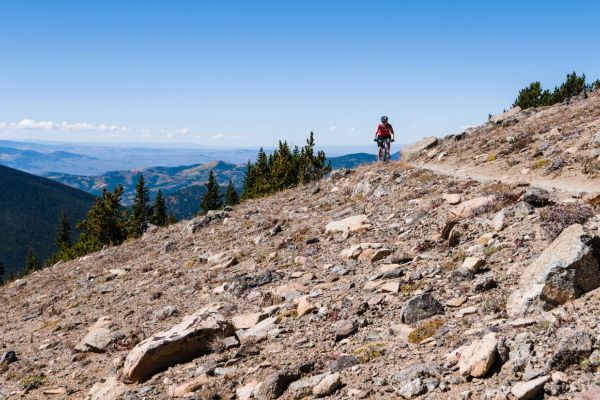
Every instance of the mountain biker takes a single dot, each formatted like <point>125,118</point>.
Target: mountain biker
<point>384,132</point>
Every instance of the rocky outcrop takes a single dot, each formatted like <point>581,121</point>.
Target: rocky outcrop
<point>568,268</point>
<point>499,118</point>
<point>183,342</point>
<point>415,148</point>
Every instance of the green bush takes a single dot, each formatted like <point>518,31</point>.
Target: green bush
<point>535,96</point>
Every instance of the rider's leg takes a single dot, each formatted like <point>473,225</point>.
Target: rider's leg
<point>388,143</point>
<point>379,148</point>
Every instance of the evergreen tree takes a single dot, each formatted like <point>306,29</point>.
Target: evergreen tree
<point>534,96</point>
<point>32,262</point>
<point>171,219</point>
<point>210,200</point>
<point>141,210</point>
<point>261,184</point>
<point>105,224</point>
<point>63,237</point>
<point>159,216</point>
<point>284,168</point>
<point>231,196</point>
<point>573,86</point>
<point>249,182</point>
<point>2,272</point>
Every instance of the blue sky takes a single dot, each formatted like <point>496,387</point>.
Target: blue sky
<point>248,73</point>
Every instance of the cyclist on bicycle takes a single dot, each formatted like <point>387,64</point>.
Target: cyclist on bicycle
<point>384,135</point>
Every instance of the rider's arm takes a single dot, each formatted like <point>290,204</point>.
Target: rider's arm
<point>377,131</point>
<point>392,130</point>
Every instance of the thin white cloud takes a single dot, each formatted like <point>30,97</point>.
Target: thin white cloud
<point>30,125</point>
<point>332,128</point>
<point>172,133</point>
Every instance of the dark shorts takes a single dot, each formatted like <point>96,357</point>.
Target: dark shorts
<point>382,140</point>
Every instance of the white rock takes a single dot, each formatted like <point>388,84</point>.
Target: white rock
<point>477,358</point>
<point>530,389</point>
<point>347,224</point>
<point>328,385</point>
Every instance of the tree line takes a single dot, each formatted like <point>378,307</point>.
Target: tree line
<point>535,96</point>
<point>282,169</point>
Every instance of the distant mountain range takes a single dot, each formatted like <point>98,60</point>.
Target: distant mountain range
<point>86,159</point>
<point>94,159</point>
<point>168,179</point>
<point>30,213</point>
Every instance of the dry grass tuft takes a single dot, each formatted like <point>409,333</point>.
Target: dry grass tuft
<point>425,330</point>
<point>370,351</point>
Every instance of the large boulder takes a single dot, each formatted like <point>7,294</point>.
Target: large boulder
<point>536,197</point>
<point>530,389</point>
<point>470,207</point>
<point>565,270</point>
<point>182,343</point>
<point>416,148</point>
<point>99,336</point>
<point>349,224</point>
<point>421,307</point>
<point>477,358</point>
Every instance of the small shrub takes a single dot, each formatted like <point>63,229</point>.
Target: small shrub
<point>492,157</point>
<point>491,250</point>
<point>591,166</point>
<point>560,216</point>
<point>540,163</point>
<point>370,351</point>
<point>32,382</point>
<point>287,314</point>
<point>425,330</point>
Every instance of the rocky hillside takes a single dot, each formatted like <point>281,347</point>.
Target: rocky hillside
<point>560,142</point>
<point>379,283</point>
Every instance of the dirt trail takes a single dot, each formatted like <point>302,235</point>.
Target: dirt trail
<point>567,185</point>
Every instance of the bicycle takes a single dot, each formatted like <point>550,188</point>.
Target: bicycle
<point>382,144</point>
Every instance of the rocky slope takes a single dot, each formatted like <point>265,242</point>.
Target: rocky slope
<point>385,282</point>
<point>560,142</point>
<point>307,301</point>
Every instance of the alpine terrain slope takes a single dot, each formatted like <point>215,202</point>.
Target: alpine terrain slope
<point>30,209</point>
<point>390,281</point>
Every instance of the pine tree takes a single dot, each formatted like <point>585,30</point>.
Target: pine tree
<point>140,210</point>
<point>249,182</point>
<point>159,216</point>
<point>2,272</point>
<point>63,237</point>
<point>261,184</point>
<point>32,262</point>
<point>231,196</point>
<point>171,219</point>
<point>210,200</point>
<point>105,224</point>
